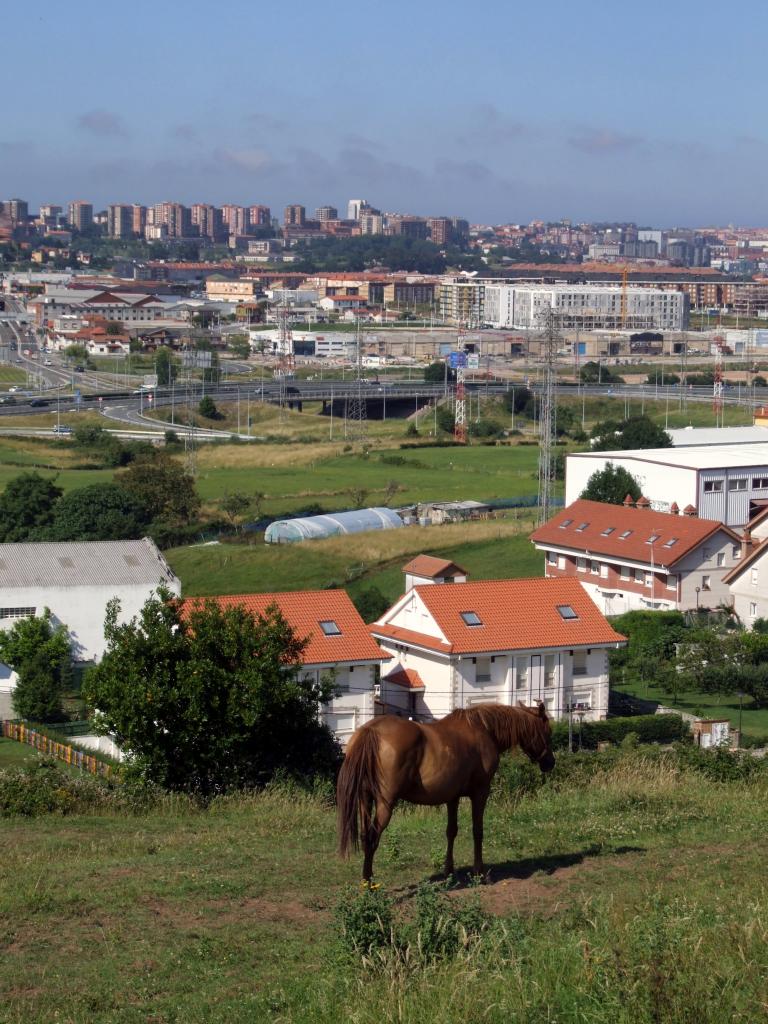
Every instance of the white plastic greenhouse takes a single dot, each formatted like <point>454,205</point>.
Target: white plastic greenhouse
<point>289,531</point>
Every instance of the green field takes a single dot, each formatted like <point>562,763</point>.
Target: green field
<point>13,753</point>
<point>12,375</point>
<point>636,895</point>
<point>487,550</point>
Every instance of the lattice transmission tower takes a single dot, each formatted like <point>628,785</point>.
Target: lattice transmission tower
<point>460,405</point>
<point>550,339</point>
<point>356,423</point>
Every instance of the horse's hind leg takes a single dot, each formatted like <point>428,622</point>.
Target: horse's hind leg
<point>478,810</point>
<point>450,834</point>
<point>373,835</point>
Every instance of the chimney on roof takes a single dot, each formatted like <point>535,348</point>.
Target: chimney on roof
<point>629,501</point>
<point>689,510</point>
<point>642,502</point>
<point>746,542</point>
<point>674,509</point>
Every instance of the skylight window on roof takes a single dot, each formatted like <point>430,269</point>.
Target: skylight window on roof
<point>471,618</point>
<point>581,527</point>
<point>670,543</point>
<point>565,522</point>
<point>625,534</point>
<point>66,563</point>
<point>653,538</point>
<point>608,531</point>
<point>330,628</point>
<point>566,612</point>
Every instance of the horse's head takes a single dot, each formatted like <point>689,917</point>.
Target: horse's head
<point>537,741</point>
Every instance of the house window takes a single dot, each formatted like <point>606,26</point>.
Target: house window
<point>521,672</point>
<point>551,558</point>
<point>672,582</point>
<point>581,527</point>
<point>760,483</point>
<point>581,564</point>
<point>582,700</point>
<point>720,559</point>
<point>739,484</point>
<point>579,663</point>
<point>753,577</point>
<point>471,619</point>
<point>705,583</point>
<point>565,522</point>
<point>330,628</point>
<point>625,534</point>
<point>753,609</point>
<point>483,670</point>
<point>649,579</point>
<point>736,552</point>
<point>639,575</point>
<point>596,568</point>
<point>608,531</point>
<point>566,612</point>
<point>16,613</point>
<point>706,554</point>
<point>712,485</point>
<point>550,666</point>
<point>670,543</point>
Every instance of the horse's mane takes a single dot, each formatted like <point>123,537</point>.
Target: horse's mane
<point>509,726</point>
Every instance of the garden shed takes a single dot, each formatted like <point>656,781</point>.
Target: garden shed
<point>332,524</point>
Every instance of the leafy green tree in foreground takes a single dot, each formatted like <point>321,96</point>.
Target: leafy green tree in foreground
<point>40,654</point>
<point>212,701</point>
<point>162,487</point>
<point>27,506</point>
<point>611,485</point>
<point>98,512</point>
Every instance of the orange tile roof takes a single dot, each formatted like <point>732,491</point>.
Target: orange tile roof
<point>598,518</point>
<point>408,678</point>
<point>304,610</point>
<point>514,615</point>
<point>428,565</point>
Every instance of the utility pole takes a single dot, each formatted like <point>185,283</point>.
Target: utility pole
<point>550,339</point>
<point>357,412</point>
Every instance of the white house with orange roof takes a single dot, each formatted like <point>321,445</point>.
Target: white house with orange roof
<point>338,643</point>
<point>453,645</point>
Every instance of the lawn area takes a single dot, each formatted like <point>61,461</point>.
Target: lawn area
<point>705,705</point>
<point>13,753</point>
<point>12,375</point>
<point>635,896</point>
<point>486,549</point>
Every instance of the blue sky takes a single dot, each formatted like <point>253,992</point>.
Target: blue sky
<point>497,111</point>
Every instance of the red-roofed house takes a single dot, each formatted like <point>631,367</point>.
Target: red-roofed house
<point>453,645</point>
<point>627,557</point>
<point>339,642</point>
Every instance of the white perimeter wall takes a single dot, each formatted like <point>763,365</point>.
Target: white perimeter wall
<point>661,484</point>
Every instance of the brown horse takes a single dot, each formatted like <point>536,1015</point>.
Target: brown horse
<point>390,759</point>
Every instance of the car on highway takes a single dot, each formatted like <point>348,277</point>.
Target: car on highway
<point>48,362</point>
<point>35,403</point>
<point>79,369</point>
<point>14,389</point>
<point>62,428</point>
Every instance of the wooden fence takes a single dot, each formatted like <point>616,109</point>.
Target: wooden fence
<point>62,751</point>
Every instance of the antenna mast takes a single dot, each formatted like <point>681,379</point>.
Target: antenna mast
<point>357,412</point>
<point>550,340</point>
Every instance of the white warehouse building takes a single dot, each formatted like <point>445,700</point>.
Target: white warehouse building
<point>586,306</point>
<point>719,481</point>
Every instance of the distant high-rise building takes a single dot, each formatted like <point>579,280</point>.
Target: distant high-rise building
<point>209,221</point>
<point>354,207</point>
<point>176,217</point>
<point>120,220</point>
<point>371,224</point>
<point>138,219</point>
<point>261,216</point>
<point>440,230</point>
<point>80,215</point>
<point>237,219</point>
<point>295,216</point>
<point>326,213</point>
<point>17,210</point>
<point>409,227</point>
<point>460,229</point>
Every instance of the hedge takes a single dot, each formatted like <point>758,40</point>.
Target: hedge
<point>647,728</point>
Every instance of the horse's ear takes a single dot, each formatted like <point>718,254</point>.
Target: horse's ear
<point>543,711</point>
<point>523,705</point>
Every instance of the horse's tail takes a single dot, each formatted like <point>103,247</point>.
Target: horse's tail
<point>357,788</point>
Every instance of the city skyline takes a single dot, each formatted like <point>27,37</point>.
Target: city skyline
<point>599,114</point>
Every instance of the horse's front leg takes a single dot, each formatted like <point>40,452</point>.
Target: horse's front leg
<point>373,836</point>
<point>479,801</point>
<point>450,833</point>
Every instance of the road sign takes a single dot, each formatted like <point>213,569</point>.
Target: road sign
<point>78,398</point>
<point>197,360</point>
<point>456,359</point>
<point>150,380</point>
<point>473,361</point>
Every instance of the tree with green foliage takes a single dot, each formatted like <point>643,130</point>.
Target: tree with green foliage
<point>98,512</point>
<point>446,420</point>
<point>437,373</point>
<point>163,487</point>
<point>166,367</point>
<point>101,446</point>
<point>592,372</point>
<point>27,507</point>
<point>370,603</point>
<point>113,327</point>
<point>40,654</point>
<point>629,434</point>
<point>210,700</point>
<point>518,399</point>
<point>236,505</point>
<point>207,408</point>
<point>611,485</point>
<point>76,353</point>
<point>662,376</point>
<point>239,346</point>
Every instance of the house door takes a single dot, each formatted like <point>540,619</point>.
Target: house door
<point>537,677</point>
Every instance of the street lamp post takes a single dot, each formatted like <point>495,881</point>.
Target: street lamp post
<point>741,706</point>
<point>698,591</point>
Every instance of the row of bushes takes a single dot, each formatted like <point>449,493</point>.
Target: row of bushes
<point>647,728</point>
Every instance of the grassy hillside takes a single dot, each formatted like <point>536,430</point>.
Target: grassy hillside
<point>633,894</point>
<point>487,550</point>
